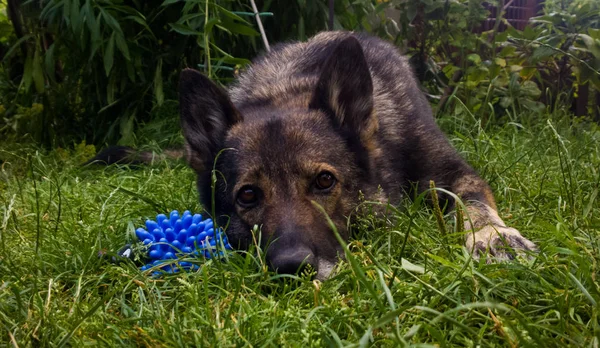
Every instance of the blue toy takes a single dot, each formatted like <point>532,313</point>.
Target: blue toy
<point>174,236</point>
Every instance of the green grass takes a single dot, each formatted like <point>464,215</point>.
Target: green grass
<point>55,217</point>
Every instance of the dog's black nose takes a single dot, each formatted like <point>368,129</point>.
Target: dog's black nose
<point>291,261</point>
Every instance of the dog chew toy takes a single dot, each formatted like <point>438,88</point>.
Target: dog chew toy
<point>171,237</point>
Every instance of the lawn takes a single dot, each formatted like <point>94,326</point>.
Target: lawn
<point>407,284</point>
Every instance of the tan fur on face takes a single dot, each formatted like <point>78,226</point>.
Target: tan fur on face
<point>287,185</point>
<point>291,201</point>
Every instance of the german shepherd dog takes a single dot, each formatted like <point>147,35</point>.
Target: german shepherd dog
<point>330,120</point>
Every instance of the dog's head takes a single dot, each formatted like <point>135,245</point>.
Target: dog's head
<point>271,164</point>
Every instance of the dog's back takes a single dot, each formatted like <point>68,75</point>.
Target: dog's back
<point>287,77</point>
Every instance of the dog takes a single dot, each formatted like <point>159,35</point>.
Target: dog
<point>313,128</point>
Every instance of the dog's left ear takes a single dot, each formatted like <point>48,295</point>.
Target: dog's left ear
<point>345,90</point>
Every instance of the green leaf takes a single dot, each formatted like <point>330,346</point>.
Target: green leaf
<point>66,14</point>
<point>111,87</point>
<point>582,289</point>
<point>27,72</point>
<point>389,316</point>
<point>130,71</point>
<point>15,45</point>
<point>506,102</point>
<point>475,58</point>
<point>184,30</point>
<point>236,61</point>
<point>532,105</point>
<point>515,68</point>
<point>111,21</point>
<point>590,205</point>
<point>49,61</point>
<point>301,32</point>
<point>158,84</point>
<point>75,17</point>
<point>126,128</point>
<point>596,82</point>
<point>230,14</point>
<point>593,45</point>
<point>584,74</point>
<point>141,21</point>
<point>109,54</point>
<point>210,24</point>
<point>239,28</point>
<point>530,89</point>
<point>500,62</point>
<point>122,45</point>
<point>50,10</point>
<point>409,266</point>
<point>507,51</point>
<point>542,52</point>
<point>92,23</point>
<point>37,72</point>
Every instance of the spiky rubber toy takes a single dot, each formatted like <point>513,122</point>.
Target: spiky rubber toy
<point>169,238</point>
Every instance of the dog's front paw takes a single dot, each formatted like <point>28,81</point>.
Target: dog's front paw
<point>500,242</point>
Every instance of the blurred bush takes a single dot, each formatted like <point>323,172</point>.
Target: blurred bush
<point>552,62</point>
<point>73,70</point>
<point>98,67</point>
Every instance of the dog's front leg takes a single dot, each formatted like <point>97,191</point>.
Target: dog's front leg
<point>487,233</point>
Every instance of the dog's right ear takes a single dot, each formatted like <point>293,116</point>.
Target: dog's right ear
<point>206,114</point>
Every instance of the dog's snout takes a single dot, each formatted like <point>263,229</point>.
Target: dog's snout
<point>291,261</point>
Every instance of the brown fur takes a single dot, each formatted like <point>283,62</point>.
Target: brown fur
<point>341,103</point>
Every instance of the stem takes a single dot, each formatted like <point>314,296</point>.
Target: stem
<point>499,12</point>
<point>14,14</point>
<point>260,26</point>
<point>206,44</point>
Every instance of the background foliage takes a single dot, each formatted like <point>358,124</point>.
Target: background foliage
<point>75,70</point>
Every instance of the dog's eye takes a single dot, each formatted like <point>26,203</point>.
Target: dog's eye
<point>248,196</point>
<point>325,181</point>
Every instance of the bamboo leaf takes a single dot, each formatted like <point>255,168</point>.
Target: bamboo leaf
<point>301,33</point>
<point>126,128</point>
<point>37,72</point>
<point>109,54</point>
<point>27,72</point>
<point>158,84</point>
<point>50,9</point>
<point>184,30</point>
<point>66,13</point>
<point>111,21</point>
<point>74,16</point>
<point>92,22</point>
<point>49,62</point>
<point>122,46</point>
<point>237,28</point>
<point>230,14</point>
<point>15,45</point>
<point>111,87</point>
<point>141,21</point>
<point>210,24</point>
